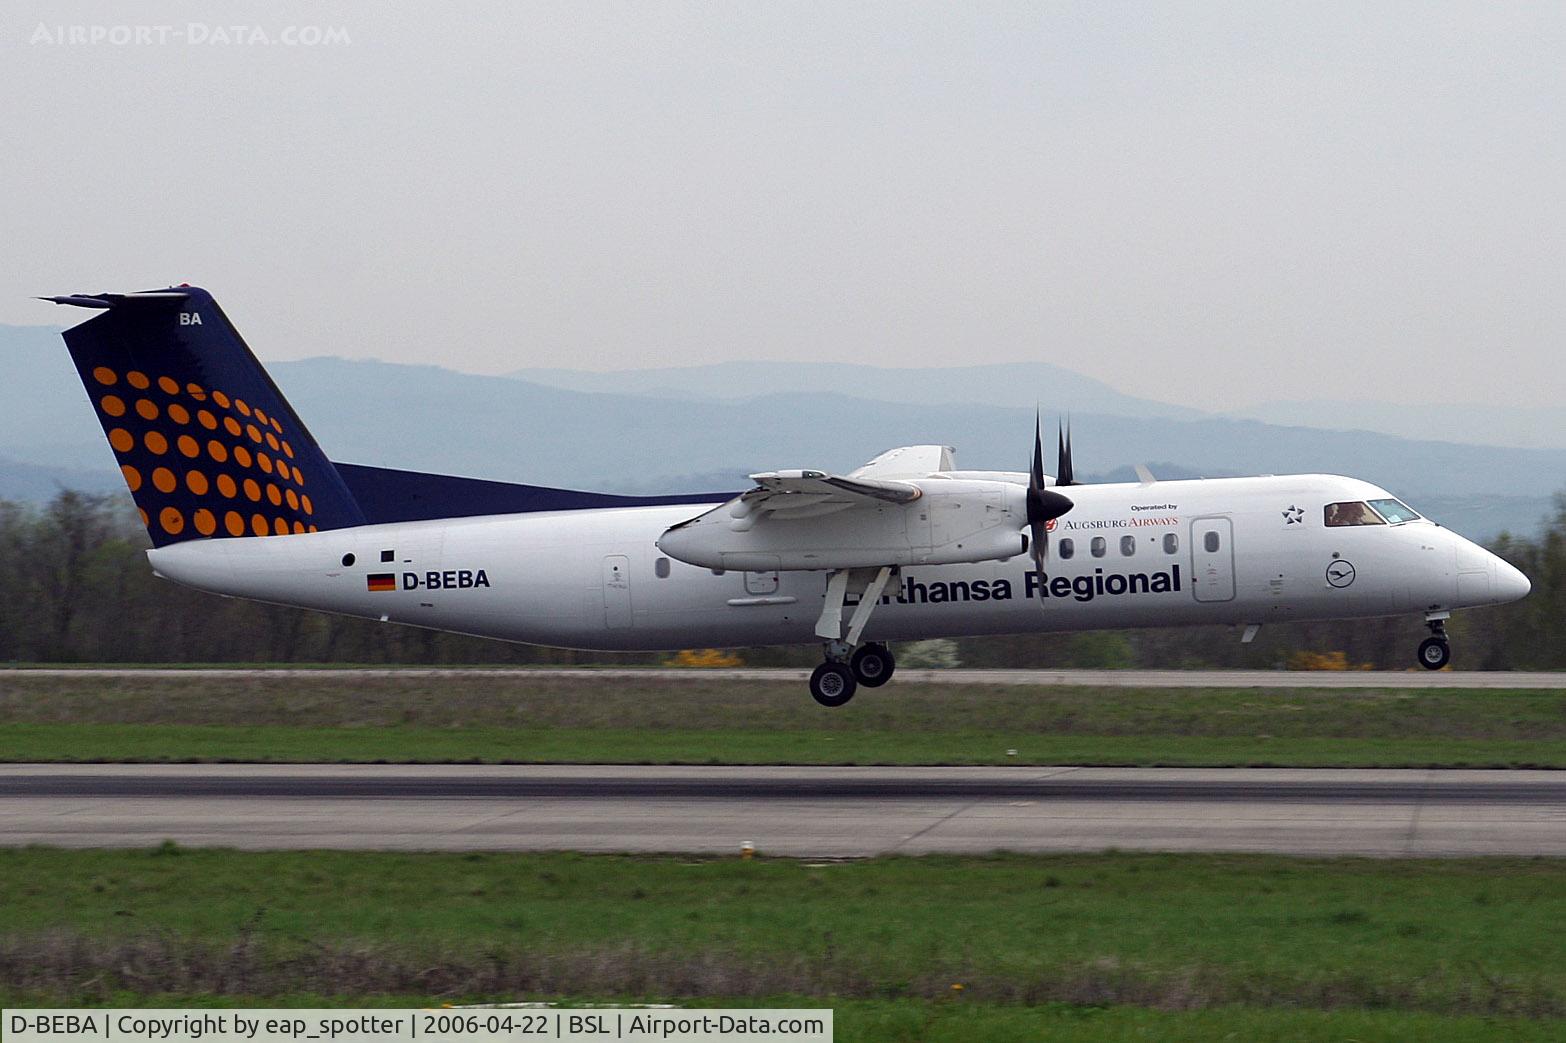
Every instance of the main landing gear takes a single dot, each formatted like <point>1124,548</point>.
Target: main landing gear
<point>835,681</point>
<point>849,663</point>
<point>1435,651</point>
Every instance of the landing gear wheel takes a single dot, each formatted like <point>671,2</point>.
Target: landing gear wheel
<point>832,684</point>
<point>1434,653</point>
<point>873,665</point>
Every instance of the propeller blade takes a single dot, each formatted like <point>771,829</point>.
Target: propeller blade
<point>1036,473</point>
<point>1038,547</point>
<point>1064,473</point>
<point>1044,504</point>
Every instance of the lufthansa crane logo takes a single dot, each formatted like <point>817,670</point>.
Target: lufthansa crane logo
<point>1340,574</point>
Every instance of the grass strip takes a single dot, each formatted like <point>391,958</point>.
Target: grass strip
<point>502,718</point>
<point>958,1020</point>
<point>143,743</point>
<point>1476,937</point>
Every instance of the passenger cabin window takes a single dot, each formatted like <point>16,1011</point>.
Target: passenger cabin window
<point>1128,545</point>
<point>1395,511</point>
<point>1210,541</point>
<point>661,568</point>
<point>1066,549</point>
<point>1171,543</point>
<point>1350,512</point>
<point>1099,546</point>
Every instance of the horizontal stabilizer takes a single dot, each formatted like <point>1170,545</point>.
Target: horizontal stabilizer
<point>112,300</point>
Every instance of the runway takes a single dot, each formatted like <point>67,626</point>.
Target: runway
<point>805,812</point>
<point>1094,678</point>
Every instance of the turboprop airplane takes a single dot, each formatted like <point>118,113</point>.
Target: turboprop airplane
<point>238,499</point>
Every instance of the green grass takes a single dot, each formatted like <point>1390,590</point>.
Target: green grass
<point>1179,946</point>
<point>659,719</point>
<point>962,1021</point>
<point>194,743</point>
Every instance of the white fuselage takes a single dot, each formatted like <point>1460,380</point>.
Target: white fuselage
<point>596,579</point>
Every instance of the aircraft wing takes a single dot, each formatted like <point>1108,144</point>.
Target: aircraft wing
<point>821,487</point>
<point>814,520</point>
<point>801,494</point>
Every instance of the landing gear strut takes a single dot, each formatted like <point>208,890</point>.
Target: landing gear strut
<point>848,663</point>
<point>1435,651</point>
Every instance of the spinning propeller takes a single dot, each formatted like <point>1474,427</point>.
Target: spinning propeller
<point>1045,505</point>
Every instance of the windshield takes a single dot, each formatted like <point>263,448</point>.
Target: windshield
<point>1395,511</point>
<point>1351,512</point>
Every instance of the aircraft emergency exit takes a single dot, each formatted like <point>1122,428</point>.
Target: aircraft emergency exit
<point>238,499</point>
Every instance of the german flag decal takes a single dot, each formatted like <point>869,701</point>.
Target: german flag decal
<point>381,581</point>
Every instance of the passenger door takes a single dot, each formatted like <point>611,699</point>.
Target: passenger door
<point>1212,559</point>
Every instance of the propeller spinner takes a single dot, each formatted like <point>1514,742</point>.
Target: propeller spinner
<point>1045,505</point>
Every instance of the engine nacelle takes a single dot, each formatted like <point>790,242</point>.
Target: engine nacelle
<point>952,522</point>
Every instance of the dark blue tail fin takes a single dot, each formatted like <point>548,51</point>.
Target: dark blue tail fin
<point>207,444</point>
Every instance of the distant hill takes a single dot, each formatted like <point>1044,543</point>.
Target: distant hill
<point>1059,390</point>
<point>1019,385</point>
<point>35,483</point>
<point>44,417</point>
<point>1519,427</point>
<point>428,418</point>
<point>437,420</point>
<point>372,411</point>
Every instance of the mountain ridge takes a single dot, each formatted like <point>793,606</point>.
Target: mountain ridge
<point>425,417</point>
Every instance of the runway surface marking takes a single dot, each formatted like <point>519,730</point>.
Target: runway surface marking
<point>1097,678</point>
<point>808,812</point>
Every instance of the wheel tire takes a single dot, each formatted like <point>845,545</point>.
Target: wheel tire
<point>1434,653</point>
<point>832,684</point>
<point>873,665</point>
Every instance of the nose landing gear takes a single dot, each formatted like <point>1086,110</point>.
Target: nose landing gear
<point>1435,651</point>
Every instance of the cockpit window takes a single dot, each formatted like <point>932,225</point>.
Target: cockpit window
<point>1351,512</point>
<point>1395,511</point>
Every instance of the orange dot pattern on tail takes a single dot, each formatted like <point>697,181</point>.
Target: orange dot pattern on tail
<point>150,430</point>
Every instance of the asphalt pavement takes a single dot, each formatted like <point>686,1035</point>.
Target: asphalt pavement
<point>798,811</point>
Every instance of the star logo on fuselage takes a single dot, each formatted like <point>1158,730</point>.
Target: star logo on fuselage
<point>1294,515</point>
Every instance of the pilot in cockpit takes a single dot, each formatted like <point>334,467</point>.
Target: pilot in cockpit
<point>1358,512</point>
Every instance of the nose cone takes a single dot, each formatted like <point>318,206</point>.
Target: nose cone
<point>1508,582</point>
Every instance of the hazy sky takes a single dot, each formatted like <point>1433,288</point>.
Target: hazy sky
<point>1207,203</point>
